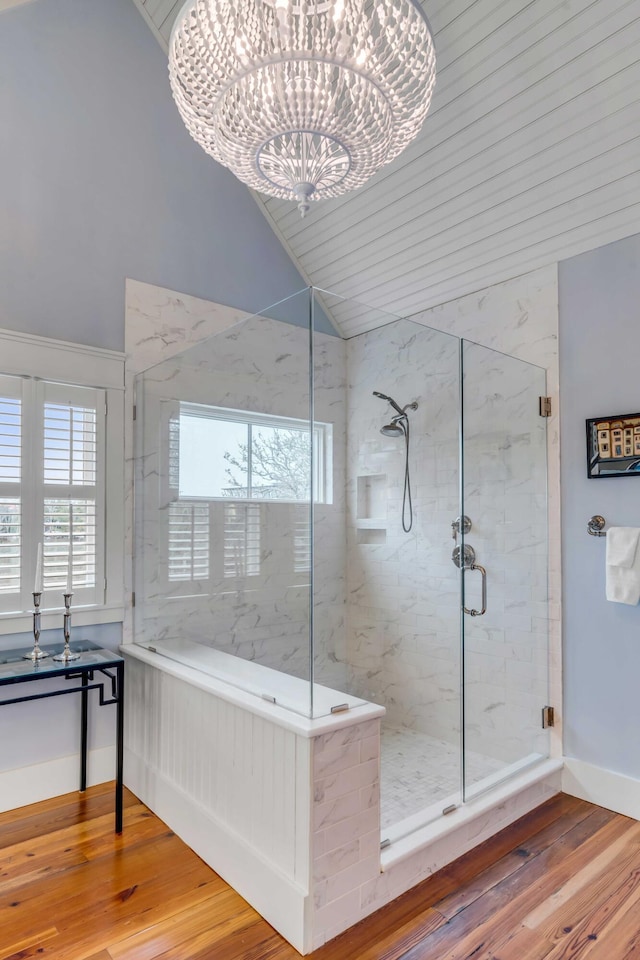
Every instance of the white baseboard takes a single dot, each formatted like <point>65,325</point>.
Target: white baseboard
<point>280,900</point>
<point>41,781</point>
<point>615,791</point>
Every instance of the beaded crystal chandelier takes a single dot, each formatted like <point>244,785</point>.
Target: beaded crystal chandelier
<point>302,99</point>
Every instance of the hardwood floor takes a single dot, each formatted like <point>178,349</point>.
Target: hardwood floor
<point>562,883</point>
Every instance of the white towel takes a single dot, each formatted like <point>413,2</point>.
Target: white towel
<point>622,543</point>
<point>623,565</point>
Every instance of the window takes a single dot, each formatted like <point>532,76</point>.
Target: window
<point>54,474</point>
<point>72,473</point>
<point>223,470</point>
<point>240,456</point>
<point>10,476</point>
<point>52,487</point>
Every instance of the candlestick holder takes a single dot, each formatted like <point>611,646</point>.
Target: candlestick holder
<point>36,654</point>
<point>67,654</point>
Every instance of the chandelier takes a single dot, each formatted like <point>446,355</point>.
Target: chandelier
<point>302,99</point>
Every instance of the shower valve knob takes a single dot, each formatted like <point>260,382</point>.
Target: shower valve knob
<point>464,559</point>
<point>460,524</point>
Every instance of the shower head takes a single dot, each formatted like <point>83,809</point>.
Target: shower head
<point>394,429</point>
<point>395,406</point>
<point>399,425</point>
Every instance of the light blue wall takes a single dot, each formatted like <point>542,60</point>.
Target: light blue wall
<point>599,375</point>
<point>35,732</point>
<point>99,180</point>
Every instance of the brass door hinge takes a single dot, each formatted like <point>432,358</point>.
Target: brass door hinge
<point>548,717</point>
<point>545,406</point>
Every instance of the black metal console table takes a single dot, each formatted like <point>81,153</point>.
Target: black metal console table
<point>96,669</point>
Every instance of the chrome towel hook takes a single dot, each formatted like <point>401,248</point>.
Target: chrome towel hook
<point>595,526</point>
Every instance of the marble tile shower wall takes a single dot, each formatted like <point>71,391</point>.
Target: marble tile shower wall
<point>402,642</point>
<point>258,365</point>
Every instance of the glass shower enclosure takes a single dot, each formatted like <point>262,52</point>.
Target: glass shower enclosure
<point>323,520</point>
<point>504,497</point>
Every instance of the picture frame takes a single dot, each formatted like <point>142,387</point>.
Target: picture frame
<point>613,446</point>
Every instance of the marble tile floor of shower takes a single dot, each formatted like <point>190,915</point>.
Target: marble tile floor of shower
<point>418,770</point>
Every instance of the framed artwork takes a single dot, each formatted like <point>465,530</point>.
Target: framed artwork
<point>613,446</point>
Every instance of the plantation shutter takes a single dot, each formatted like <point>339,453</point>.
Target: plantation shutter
<point>302,542</point>
<point>72,495</point>
<point>11,412</point>
<point>241,539</point>
<point>188,541</point>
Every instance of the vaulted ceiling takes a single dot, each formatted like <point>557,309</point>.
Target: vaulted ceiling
<point>530,154</point>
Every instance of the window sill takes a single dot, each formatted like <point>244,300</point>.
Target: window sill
<point>228,590</point>
<point>81,617</point>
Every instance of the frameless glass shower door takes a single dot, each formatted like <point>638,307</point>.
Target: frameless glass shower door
<point>505,615</point>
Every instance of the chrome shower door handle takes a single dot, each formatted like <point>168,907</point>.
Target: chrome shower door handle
<point>483,573</point>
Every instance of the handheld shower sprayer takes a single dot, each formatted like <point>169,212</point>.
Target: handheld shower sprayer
<point>399,427</point>
<point>390,400</point>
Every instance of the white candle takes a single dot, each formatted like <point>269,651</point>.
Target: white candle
<point>37,584</point>
<point>69,587</point>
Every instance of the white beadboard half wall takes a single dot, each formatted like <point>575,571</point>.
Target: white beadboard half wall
<point>285,809</point>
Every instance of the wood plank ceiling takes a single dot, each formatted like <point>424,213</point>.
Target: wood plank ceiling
<point>530,154</point>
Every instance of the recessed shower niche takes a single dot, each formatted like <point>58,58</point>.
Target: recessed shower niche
<point>372,497</point>
<point>371,508</point>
